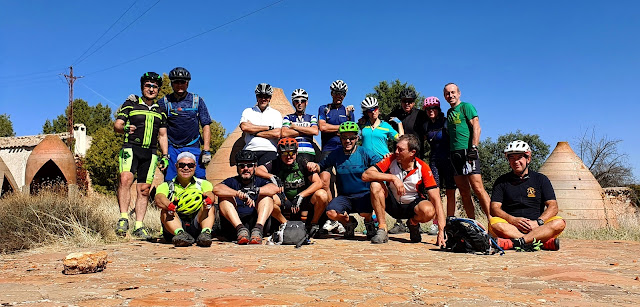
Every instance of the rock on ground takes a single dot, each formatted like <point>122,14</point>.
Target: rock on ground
<point>85,262</point>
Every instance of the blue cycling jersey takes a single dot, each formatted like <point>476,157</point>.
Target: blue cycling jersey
<point>184,119</point>
<point>349,169</point>
<point>334,115</point>
<point>376,138</point>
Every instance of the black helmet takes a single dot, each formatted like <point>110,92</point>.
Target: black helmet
<point>179,73</point>
<point>246,156</point>
<point>408,93</point>
<point>151,76</point>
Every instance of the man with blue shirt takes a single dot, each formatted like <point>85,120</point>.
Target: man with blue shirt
<point>301,126</point>
<point>186,114</point>
<point>354,194</point>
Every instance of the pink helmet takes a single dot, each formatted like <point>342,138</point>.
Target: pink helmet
<point>431,102</point>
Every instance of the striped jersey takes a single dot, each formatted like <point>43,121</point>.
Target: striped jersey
<point>147,119</point>
<point>305,142</point>
<point>415,181</point>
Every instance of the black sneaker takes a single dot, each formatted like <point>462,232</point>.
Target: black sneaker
<point>371,229</point>
<point>204,239</point>
<point>380,237</point>
<point>350,228</point>
<point>122,226</point>
<point>256,236</point>
<point>182,239</point>
<point>398,228</point>
<point>414,232</point>
<point>315,228</point>
<point>141,233</point>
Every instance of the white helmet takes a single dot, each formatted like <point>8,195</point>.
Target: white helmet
<point>299,93</point>
<point>264,89</point>
<point>339,86</point>
<point>517,146</point>
<point>369,103</point>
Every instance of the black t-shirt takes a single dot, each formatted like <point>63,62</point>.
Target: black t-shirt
<point>411,122</point>
<point>523,197</point>
<point>295,177</point>
<point>236,184</point>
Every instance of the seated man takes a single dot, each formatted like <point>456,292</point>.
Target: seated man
<point>518,203</point>
<point>407,176</point>
<point>301,191</point>
<point>191,199</point>
<point>354,195</point>
<point>245,201</point>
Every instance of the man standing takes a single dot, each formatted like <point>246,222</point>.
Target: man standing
<point>524,206</point>
<point>408,178</point>
<point>261,125</point>
<point>186,114</point>
<point>143,123</point>
<point>301,126</point>
<point>353,194</point>
<point>464,136</point>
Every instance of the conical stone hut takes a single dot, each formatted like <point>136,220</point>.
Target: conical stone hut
<point>222,165</point>
<point>50,162</point>
<point>581,199</point>
<point>7,183</point>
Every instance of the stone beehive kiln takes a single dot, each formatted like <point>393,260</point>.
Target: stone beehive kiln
<point>49,159</point>
<point>222,163</point>
<point>581,199</point>
<point>7,183</point>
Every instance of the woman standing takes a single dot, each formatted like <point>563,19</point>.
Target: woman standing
<point>375,132</point>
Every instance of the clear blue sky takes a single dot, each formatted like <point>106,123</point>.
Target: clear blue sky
<point>553,68</point>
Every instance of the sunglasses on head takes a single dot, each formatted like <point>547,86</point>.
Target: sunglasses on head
<point>299,100</point>
<point>179,82</point>
<point>189,165</point>
<point>349,138</point>
<point>263,96</point>
<point>150,85</point>
<point>247,165</point>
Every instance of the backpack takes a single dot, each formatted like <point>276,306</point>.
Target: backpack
<point>467,236</point>
<point>194,105</point>
<point>291,233</point>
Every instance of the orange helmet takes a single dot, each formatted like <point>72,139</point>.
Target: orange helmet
<point>287,144</point>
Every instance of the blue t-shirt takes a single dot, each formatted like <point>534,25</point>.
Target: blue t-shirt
<point>349,169</point>
<point>437,136</point>
<point>184,119</point>
<point>305,142</point>
<point>333,116</point>
<point>236,184</point>
<point>376,139</point>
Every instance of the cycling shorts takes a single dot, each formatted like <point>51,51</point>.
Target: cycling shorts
<point>400,211</point>
<point>139,161</point>
<point>359,203</point>
<point>462,166</point>
<point>190,224</point>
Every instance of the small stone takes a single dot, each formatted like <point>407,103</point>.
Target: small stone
<point>82,263</point>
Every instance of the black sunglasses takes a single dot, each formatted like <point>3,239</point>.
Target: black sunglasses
<point>263,96</point>
<point>189,165</point>
<point>149,85</point>
<point>299,100</point>
<point>352,138</point>
<point>248,165</point>
<point>179,82</point>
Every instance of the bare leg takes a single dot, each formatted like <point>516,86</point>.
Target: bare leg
<point>228,211</point>
<point>478,187</point>
<point>264,207</point>
<point>378,196</point>
<point>465,193</point>
<point>124,191</point>
<point>320,200</point>
<point>451,202</point>
<point>142,200</point>
<point>277,210</point>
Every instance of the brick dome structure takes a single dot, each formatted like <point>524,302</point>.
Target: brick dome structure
<point>7,183</point>
<point>50,161</point>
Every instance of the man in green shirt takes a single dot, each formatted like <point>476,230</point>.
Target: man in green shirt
<point>464,137</point>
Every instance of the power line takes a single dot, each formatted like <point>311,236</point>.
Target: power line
<point>187,39</point>
<point>105,98</point>
<point>94,51</point>
<point>105,32</point>
<point>32,74</point>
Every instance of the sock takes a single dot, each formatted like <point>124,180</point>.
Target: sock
<point>179,230</point>
<point>239,227</point>
<point>124,215</point>
<point>206,229</point>
<point>139,224</point>
<point>519,242</point>
<point>259,227</point>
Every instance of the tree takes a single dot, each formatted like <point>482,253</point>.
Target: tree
<point>601,156</point>
<point>494,163</point>
<point>92,117</point>
<point>166,88</point>
<point>388,96</point>
<point>102,159</point>
<point>6,126</point>
<point>218,134</point>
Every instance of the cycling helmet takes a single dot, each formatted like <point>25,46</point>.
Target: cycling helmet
<point>348,127</point>
<point>264,89</point>
<point>369,103</point>
<point>408,93</point>
<point>431,102</point>
<point>179,73</point>
<point>339,86</point>
<point>246,156</point>
<point>189,201</point>
<point>299,93</point>
<point>517,146</point>
<point>152,77</point>
<point>287,144</point>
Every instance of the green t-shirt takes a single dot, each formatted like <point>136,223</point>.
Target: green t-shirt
<point>458,124</point>
<point>205,186</point>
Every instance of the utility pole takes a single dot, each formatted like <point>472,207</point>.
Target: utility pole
<point>70,80</point>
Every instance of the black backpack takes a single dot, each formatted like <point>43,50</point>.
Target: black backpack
<point>291,233</point>
<point>466,236</point>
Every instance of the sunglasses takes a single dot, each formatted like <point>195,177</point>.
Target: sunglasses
<point>151,86</point>
<point>247,165</point>
<point>408,101</point>
<point>299,100</point>
<point>179,82</point>
<point>371,110</point>
<point>349,138</point>
<point>338,93</point>
<point>288,153</point>
<point>188,165</point>
<point>263,96</point>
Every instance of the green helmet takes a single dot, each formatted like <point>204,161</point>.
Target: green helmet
<point>189,201</point>
<point>348,127</point>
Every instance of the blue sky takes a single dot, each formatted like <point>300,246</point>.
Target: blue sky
<point>553,68</point>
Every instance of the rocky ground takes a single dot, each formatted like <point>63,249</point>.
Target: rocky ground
<point>331,272</point>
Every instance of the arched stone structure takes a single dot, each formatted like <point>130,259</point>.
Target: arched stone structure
<point>51,160</point>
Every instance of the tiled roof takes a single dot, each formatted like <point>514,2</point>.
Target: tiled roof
<point>26,141</point>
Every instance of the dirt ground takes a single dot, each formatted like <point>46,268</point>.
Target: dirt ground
<point>331,272</point>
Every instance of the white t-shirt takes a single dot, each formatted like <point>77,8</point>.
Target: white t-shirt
<point>270,117</point>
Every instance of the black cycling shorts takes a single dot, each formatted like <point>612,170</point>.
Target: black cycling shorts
<point>139,161</point>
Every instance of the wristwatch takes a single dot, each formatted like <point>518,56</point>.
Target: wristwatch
<point>474,146</point>
<point>540,222</point>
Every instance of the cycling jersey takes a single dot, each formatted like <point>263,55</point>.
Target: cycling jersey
<point>375,139</point>
<point>458,119</point>
<point>195,184</point>
<point>334,115</point>
<point>415,181</point>
<point>295,177</point>
<point>349,169</point>
<point>147,120</point>
<point>305,142</point>
<point>411,122</point>
<point>184,119</point>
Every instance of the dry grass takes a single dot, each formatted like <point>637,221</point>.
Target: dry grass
<point>30,221</point>
<point>629,230</point>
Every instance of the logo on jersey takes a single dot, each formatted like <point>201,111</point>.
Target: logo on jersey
<point>531,192</point>
<point>454,118</point>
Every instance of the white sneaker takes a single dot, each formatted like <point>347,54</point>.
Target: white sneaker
<point>330,225</point>
<point>340,228</point>
<point>433,230</point>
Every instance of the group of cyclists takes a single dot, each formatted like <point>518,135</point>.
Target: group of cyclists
<point>283,175</point>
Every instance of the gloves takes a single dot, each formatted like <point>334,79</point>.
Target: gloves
<point>275,180</point>
<point>252,192</point>
<point>205,157</point>
<point>208,202</point>
<point>164,162</point>
<point>395,120</point>
<point>472,153</point>
<point>172,207</point>
<point>297,201</point>
<point>132,98</point>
